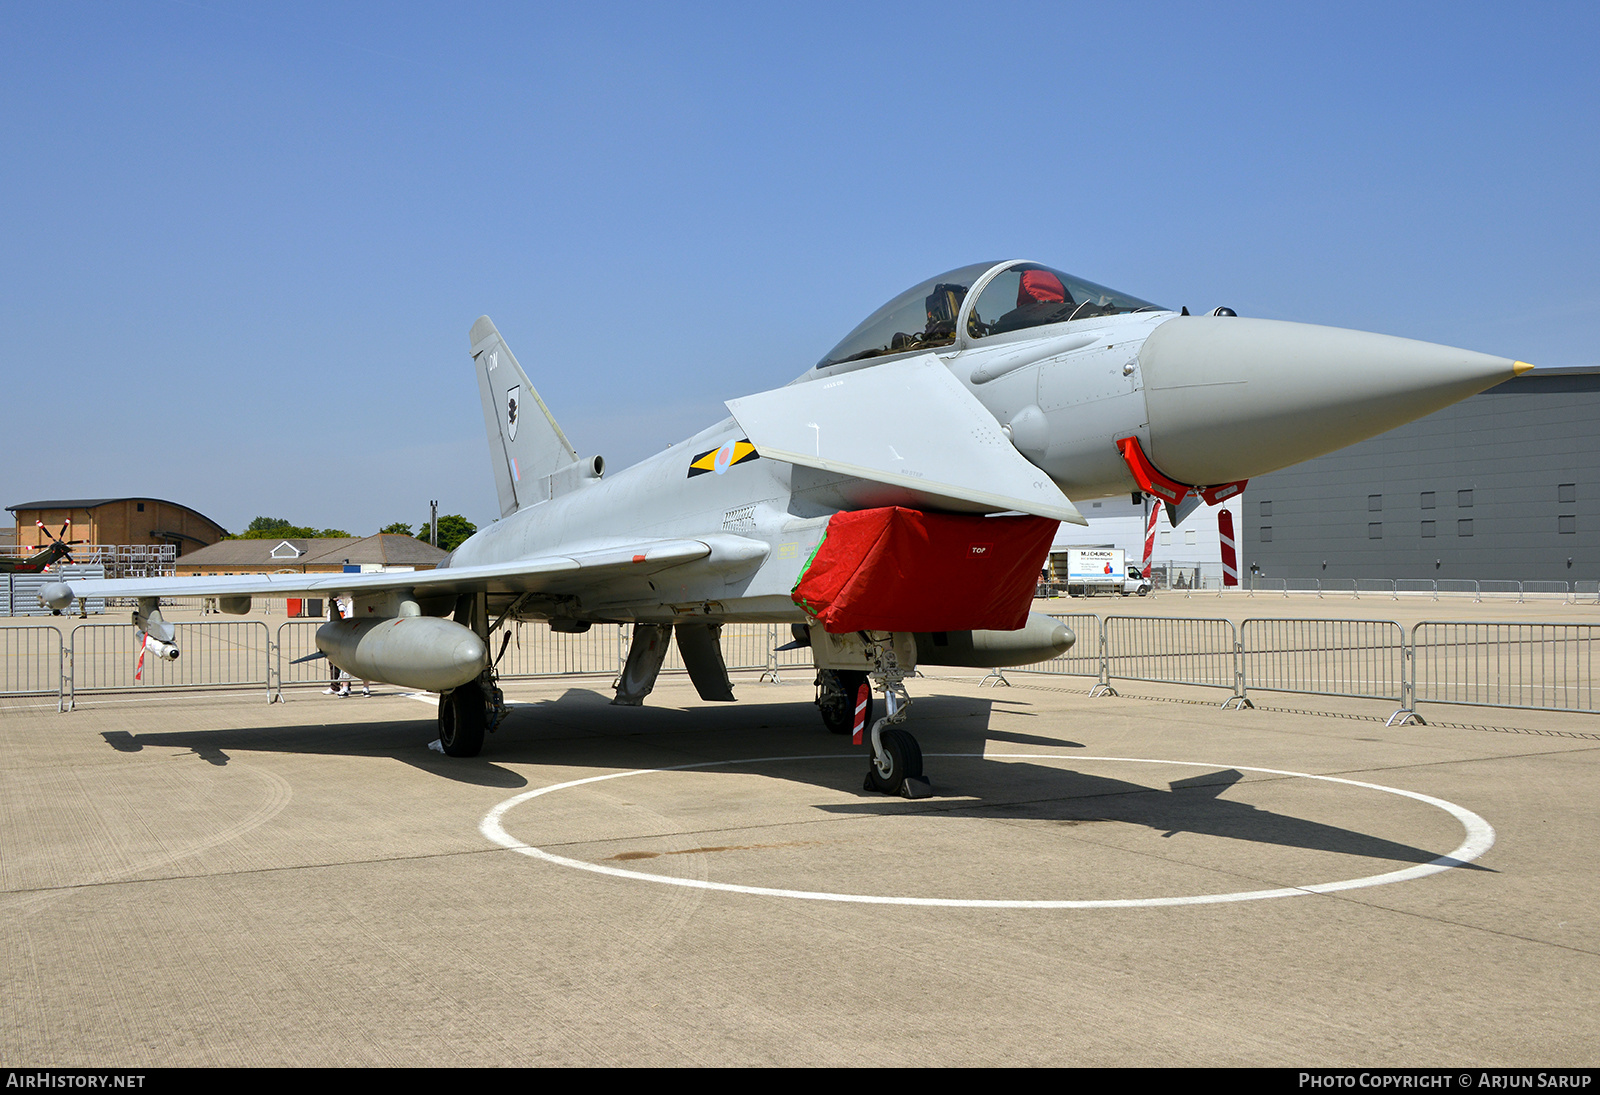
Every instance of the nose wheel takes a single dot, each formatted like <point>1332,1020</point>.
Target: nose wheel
<point>896,766</point>
<point>845,701</point>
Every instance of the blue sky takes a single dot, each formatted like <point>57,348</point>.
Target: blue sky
<point>243,244</point>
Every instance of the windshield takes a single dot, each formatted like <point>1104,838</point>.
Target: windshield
<point>1029,295</point>
<point>920,318</point>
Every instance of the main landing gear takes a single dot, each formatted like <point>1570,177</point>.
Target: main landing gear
<point>467,713</point>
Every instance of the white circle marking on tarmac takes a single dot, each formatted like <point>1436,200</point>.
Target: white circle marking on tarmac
<point>1480,838</point>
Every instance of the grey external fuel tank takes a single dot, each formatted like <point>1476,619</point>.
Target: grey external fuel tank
<point>421,652</point>
<point>1039,640</point>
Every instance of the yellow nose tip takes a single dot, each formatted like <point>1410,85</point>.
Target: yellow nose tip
<point>1519,367</point>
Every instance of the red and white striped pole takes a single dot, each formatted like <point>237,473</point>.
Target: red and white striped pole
<point>1230,556</point>
<point>863,697</point>
<point>1150,534</point>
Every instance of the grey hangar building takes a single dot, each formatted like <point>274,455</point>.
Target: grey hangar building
<point>1503,486</point>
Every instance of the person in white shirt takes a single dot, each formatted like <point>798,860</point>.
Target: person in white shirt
<point>342,607</point>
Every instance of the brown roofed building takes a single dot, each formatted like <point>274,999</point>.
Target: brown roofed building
<point>389,551</point>
<point>136,521</point>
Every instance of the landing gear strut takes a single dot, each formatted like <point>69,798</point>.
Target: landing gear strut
<point>896,766</point>
<point>849,666</point>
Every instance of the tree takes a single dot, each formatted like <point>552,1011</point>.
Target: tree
<point>453,529</point>
<point>399,528</point>
<point>276,528</point>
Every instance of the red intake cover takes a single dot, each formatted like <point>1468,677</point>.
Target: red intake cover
<point>896,569</point>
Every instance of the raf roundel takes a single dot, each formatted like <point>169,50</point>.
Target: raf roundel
<point>720,459</point>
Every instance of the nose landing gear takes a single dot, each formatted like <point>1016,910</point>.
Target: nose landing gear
<point>896,765</point>
<point>849,666</point>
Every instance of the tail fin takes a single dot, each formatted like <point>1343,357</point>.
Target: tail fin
<point>526,446</point>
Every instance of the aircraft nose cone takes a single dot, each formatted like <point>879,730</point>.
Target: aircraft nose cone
<point>1062,638</point>
<point>1231,398</point>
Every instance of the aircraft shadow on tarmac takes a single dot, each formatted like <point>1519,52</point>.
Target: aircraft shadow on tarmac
<point>581,728</point>
<point>1017,790</point>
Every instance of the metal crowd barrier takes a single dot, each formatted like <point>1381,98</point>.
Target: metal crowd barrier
<point>293,661</point>
<point>1535,666</point>
<point>105,658</point>
<point>1569,592</point>
<point>1539,666</point>
<point>1360,658</point>
<point>536,651</point>
<point>1171,650</point>
<point>1267,585</point>
<point>31,663</point>
<point>1543,666</point>
<point>797,660</point>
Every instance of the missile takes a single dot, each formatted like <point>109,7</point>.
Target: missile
<point>422,652</point>
<point>1039,640</point>
<point>165,651</point>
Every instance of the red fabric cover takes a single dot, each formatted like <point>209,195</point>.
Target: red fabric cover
<point>1147,475</point>
<point>1040,287</point>
<point>897,569</point>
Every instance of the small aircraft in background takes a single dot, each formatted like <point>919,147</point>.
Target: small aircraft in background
<point>893,504</point>
<point>57,550</point>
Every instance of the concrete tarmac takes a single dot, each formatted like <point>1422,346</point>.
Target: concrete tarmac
<point>206,879</point>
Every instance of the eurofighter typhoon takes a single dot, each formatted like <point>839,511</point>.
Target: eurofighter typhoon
<point>894,504</point>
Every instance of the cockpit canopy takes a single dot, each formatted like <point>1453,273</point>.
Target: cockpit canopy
<point>1017,295</point>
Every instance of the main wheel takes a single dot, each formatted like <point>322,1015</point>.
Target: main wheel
<point>904,761</point>
<point>461,721</point>
<point>838,692</point>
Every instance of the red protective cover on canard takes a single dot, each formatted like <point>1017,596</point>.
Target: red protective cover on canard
<point>897,569</point>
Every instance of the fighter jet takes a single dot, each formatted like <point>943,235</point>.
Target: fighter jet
<point>893,504</point>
